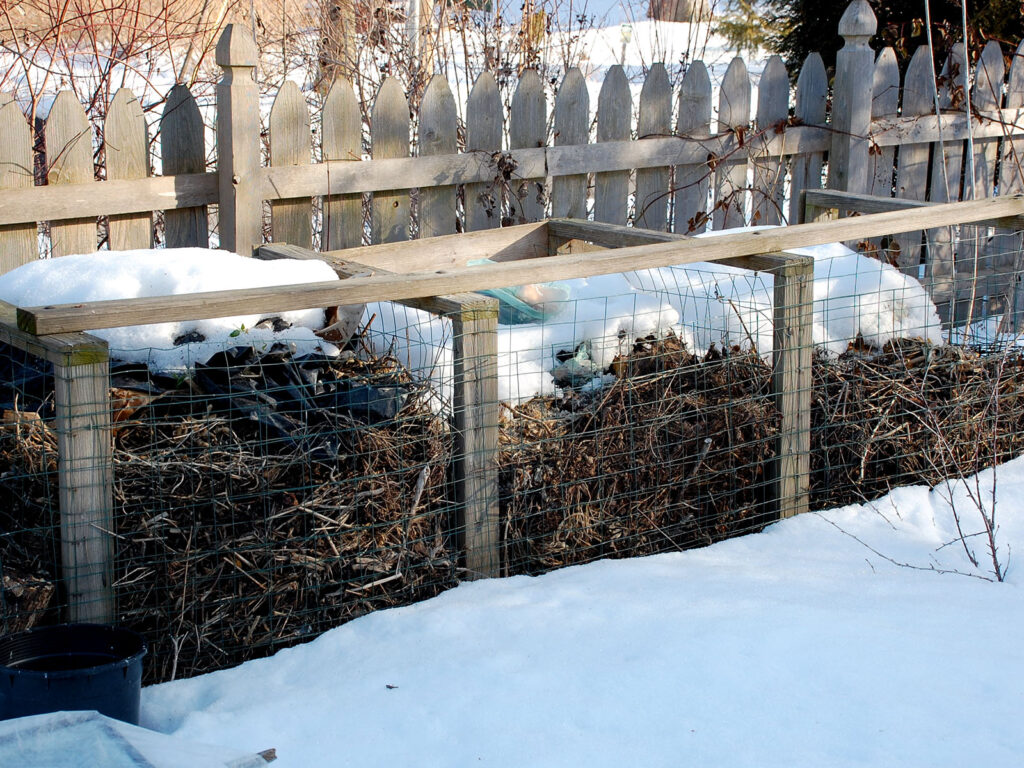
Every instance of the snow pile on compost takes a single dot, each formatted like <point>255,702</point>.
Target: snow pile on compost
<point>602,318</point>
<point>854,295</point>
<point>703,304</point>
<point>170,272</point>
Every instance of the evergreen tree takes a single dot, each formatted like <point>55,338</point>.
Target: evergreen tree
<point>796,28</point>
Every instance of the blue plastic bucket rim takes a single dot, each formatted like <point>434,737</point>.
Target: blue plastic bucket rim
<point>138,641</point>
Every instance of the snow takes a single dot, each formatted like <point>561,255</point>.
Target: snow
<point>704,304</point>
<point>803,645</point>
<point>171,272</point>
<point>602,317</point>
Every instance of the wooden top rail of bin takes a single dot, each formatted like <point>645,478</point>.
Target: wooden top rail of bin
<point>742,249</point>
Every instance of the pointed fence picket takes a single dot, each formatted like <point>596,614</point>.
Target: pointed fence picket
<point>614,117</point>
<point>341,141</point>
<point>291,221</point>
<point>692,181</point>
<point>69,161</point>
<point>528,130</point>
<point>731,166</point>
<point>572,128</point>
<point>438,136</point>
<point>811,98</point>
<point>912,162</point>
<point>183,151</point>
<point>654,120</point>
<point>389,138</point>
<point>126,150</point>
<point>769,171</point>
<point>483,200</point>
<point>17,241</point>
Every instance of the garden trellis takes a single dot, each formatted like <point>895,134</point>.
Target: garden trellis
<point>190,507</point>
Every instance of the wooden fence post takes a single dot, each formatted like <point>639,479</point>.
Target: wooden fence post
<point>238,134</point>
<point>85,477</point>
<point>851,102</point>
<point>792,382</point>
<point>475,355</point>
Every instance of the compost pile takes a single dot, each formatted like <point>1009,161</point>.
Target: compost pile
<point>264,499</point>
<point>258,502</point>
<point>672,455</point>
<point>911,413</point>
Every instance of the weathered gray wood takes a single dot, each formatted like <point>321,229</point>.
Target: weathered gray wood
<point>725,248</point>
<point>986,100</point>
<point>438,136</point>
<point>291,221</point>
<point>464,168</point>
<point>69,161</point>
<point>944,186</point>
<point>792,383</point>
<point>107,197</point>
<point>692,182</point>
<point>772,113</point>
<point>126,148</point>
<point>85,478</point>
<point>951,125</point>
<point>183,151</point>
<point>1011,181</point>
<point>851,102</point>
<point>811,99</point>
<point>572,128</point>
<point>654,119</point>
<point>240,207</point>
<point>475,406</point>
<point>484,200</point>
<point>342,142</point>
<point>976,256</point>
<point>731,169</point>
<point>528,129</point>
<point>389,137</point>
<point>885,103</point>
<point>18,242</point>
<point>519,241</point>
<point>912,162</point>
<point>614,115</point>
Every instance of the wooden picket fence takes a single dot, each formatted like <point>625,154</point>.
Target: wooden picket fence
<point>517,168</point>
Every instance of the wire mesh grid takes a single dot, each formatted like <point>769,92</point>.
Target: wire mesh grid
<point>262,496</point>
<point>258,499</point>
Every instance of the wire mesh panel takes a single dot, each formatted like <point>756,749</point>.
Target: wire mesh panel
<point>255,491</point>
<point>29,497</point>
<point>259,498</point>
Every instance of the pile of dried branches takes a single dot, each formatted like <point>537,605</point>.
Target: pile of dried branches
<point>264,499</point>
<point>911,414</point>
<point>252,512</point>
<point>672,455</point>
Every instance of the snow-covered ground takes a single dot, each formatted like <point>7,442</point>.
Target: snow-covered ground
<point>833,639</point>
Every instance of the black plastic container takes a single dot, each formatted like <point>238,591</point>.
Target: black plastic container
<point>72,667</point>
